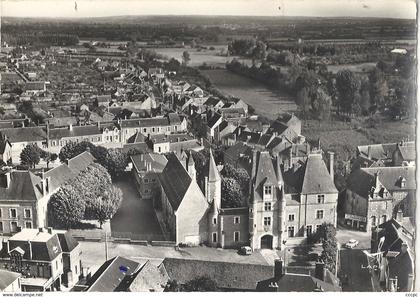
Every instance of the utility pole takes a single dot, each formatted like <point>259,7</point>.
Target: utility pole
<point>106,245</point>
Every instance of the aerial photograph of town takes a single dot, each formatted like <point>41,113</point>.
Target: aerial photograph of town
<point>208,145</point>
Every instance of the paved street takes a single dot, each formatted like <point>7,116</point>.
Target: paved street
<point>352,260</point>
<point>135,215</point>
<point>93,254</point>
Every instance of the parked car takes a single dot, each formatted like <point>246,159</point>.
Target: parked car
<point>352,243</point>
<point>245,250</point>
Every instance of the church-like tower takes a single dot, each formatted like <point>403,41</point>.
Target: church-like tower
<point>214,185</point>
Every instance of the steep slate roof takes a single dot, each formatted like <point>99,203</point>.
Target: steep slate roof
<point>214,174</point>
<point>237,150</point>
<point>136,138</point>
<point>175,181</point>
<point>147,122</point>
<point>266,173</point>
<point>67,242</point>
<point>213,120</point>
<point>408,152</point>
<point>76,131</point>
<point>23,186</point>
<point>7,278</point>
<point>227,275</point>
<point>317,178</point>
<point>27,134</point>
<point>110,275</point>
<point>44,246</point>
<point>158,161</point>
<point>362,180</point>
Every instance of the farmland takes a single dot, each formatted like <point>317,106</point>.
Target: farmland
<point>265,101</point>
<point>198,57</point>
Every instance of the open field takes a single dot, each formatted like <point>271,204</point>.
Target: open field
<point>357,68</point>
<point>265,101</point>
<point>210,57</point>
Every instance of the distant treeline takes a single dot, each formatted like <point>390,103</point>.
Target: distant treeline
<point>48,39</point>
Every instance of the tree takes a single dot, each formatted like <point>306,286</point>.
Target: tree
<point>238,174</point>
<point>231,193</point>
<point>348,86</point>
<point>31,155</point>
<point>378,87</point>
<point>106,206</point>
<point>322,104</point>
<point>66,207</point>
<point>327,233</point>
<point>116,162</point>
<point>260,51</point>
<point>173,65</point>
<point>48,157</point>
<point>185,58</point>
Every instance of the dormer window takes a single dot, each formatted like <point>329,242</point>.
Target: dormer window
<point>403,182</point>
<point>267,190</point>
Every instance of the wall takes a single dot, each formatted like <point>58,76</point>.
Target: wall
<point>20,207</point>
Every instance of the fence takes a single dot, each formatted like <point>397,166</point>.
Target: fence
<point>121,237</point>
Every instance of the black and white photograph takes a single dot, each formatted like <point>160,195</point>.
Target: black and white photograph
<point>208,146</point>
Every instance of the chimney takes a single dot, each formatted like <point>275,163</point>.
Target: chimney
<point>206,194</point>
<point>392,284</point>
<point>30,249</point>
<point>291,157</point>
<point>331,164</point>
<point>369,153</point>
<point>5,245</point>
<point>141,157</point>
<point>99,124</point>
<point>320,271</point>
<point>399,215</point>
<point>50,230</point>
<point>71,127</point>
<point>41,230</point>
<point>410,282</point>
<point>7,179</point>
<point>278,269</point>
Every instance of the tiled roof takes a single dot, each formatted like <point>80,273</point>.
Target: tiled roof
<point>28,134</point>
<point>175,181</point>
<point>408,152</point>
<point>110,275</point>
<point>237,150</point>
<point>7,278</point>
<point>227,275</point>
<point>149,278</point>
<point>317,178</point>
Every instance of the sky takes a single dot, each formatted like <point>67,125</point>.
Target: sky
<point>317,8</point>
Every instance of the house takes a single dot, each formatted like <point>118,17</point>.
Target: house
<point>19,138</point>
<point>239,156</point>
<point>136,143</point>
<point>146,168</point>
<point>283,122</point>
<point>102,100</point>
<point>162,143</point>
<point>37,254</point>
<point>9,281</point>
<point>393,255</point>
<point>386,154</point>
<point>374,195</point>
<point>237,103</point>
<point>156,74</point>
<point>120,274</point>
<point>292,203</point>
<point>181,203</point>
<point>72,265</point>
<point>35,88</point>
<point>24,195</point>
<point>214,103</point>
<point>283,281</point>
<point>213,122</point>
<point>228,276</point>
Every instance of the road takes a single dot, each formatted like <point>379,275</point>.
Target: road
<point>352,260</point>
<point>93,254</point>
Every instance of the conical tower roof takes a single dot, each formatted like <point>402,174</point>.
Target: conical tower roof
<point>214,174</point>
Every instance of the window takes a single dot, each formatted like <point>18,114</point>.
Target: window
<point>13,213</point>
<point>236,235</point>
<point>13,227</point>
<point>28,225</point>
<point>0,212</point>
<point>236,220</point>
<point>27,213</point>
<point>56,265</point>
<point>291,231</point>
<point>267,206</point>
<point>321,198</point>
<point>373,221</point>
<point>147,191</point>
<point>291,217</point>
<point>267,221</point>
<point>383,219</point>
<point>214,221</point>
<point>146,180</point>
<point>319,214</point>
<point>153,129</point>
<point>159,149</point>
<point>267,190</point>
<point>153,180</point>
<point>214,237</point>
<point>317,227</point>
<point>308,230</point>
<point>1,226</point>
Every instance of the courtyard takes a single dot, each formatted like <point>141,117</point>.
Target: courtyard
<point>135,216</point>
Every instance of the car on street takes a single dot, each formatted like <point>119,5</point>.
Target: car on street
<point>245,250</point>
<point>352,243</point>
